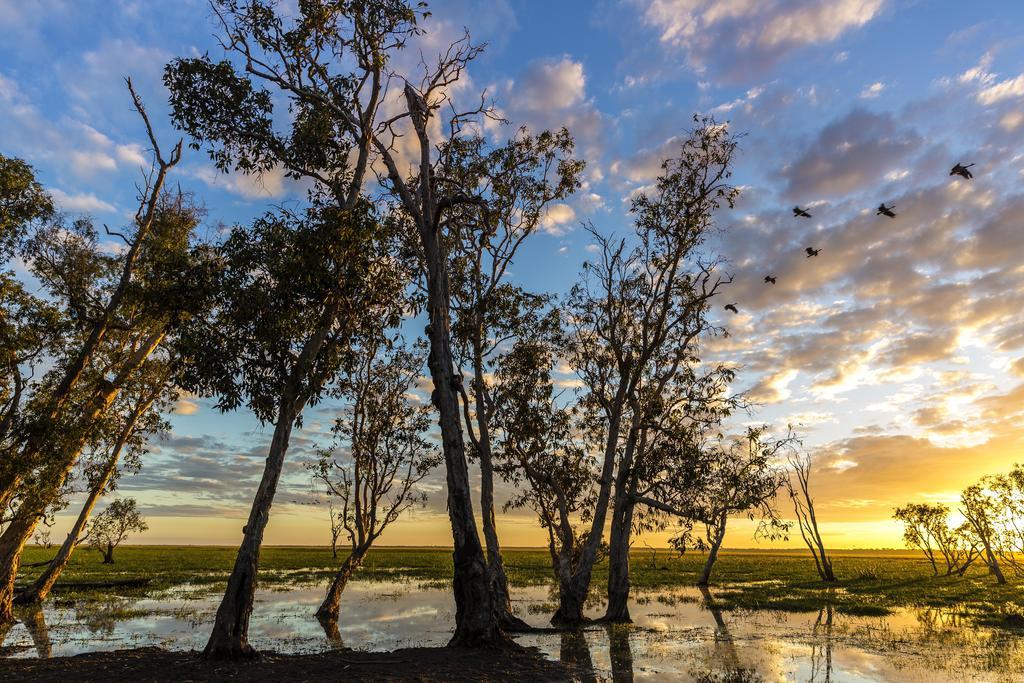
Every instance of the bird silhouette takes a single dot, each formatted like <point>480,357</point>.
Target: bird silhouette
<point>769,279</point>
<point>732,307</point>
<point>812,252</point>
<point>962,171</point>
<point>884,210</point>
<point>800,213</point>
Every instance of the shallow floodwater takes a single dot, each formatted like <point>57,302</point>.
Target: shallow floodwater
<point>676,635</point>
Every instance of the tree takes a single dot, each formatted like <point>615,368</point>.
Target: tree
<point>806,519</point>
<point>111,527</point>
<point>718,477</point>
<point>383,436</point>
<point>29,326</point>
<point>330,61</point>
<point>980,507</point>
<point>921,528</point>
<point>1009,492</point>
<point>293,291</point>
<point>133,419</point>
<point>513,185</point>
<point>926,528</point>
<point>120,309</point>
<point>637,317</point>
<point>536,446</point>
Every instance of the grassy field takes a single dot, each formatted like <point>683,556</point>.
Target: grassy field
<point>870,582</point>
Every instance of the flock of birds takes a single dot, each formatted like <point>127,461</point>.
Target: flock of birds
<point>959,169</point>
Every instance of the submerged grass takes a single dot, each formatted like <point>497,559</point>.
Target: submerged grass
<point>870,583</point>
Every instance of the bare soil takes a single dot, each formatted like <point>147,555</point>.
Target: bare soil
<point>414,664</point>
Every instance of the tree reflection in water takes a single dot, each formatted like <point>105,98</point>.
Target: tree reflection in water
<point>821,645</point>
<point>574,652</point>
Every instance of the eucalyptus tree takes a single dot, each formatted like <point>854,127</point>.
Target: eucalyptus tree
<point>798,485</point>
<point>332,63</point>
<point>538,449</point>
<point>293,290</point>
<point>923,524</point>
<point>28,324</point>
<point>380,453</point>
<point>1008,490</point>
<point>120,308</point>
<point>134,418</point>
<point>114,525</point>
<point>514,184</point>
<point>710,477</point>
<point>638,316</point>
<point>979,504</point>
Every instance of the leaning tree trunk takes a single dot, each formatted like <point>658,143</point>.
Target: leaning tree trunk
<point>12,541</point>
<point>32,509</point>
<point>230,636</point>
<point>327,614</point>
<point>40,589</point>
<point>716,544</point>
<point>476,623</point>
<point>495,564</point>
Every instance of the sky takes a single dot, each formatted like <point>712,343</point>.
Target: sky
<point>898,352</point>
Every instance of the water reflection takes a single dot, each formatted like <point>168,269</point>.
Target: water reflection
<point>821,646</point>
<point>574,652</point>
<point>683,634</point>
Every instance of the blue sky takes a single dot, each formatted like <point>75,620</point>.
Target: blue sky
<point>898,350</point>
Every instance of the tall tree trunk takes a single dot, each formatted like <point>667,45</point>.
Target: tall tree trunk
<point>108,554</point>
<point>716,544</point>
<point>495,564</point>
<point>618,560</point>
<point>327,614</point>
<point>476,622</point>
<point>230,635</point>
<point>623,506</point>
<point>40,589</point>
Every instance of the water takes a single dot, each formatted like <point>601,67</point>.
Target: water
<point>677,635</point>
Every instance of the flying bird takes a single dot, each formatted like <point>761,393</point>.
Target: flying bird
<point>732,307</point>
<point>884,210</point>
<point>800,213</point>
<point>769,279</point>
<point>962,171</point>
<point>812,252</point>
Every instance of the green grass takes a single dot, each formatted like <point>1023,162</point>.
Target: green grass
<point>870,582</point>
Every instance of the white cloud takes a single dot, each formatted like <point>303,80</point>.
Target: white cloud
<point>551,85</point>
<point>1003,90</point>
<point>556,218</point>
<point>872,91</point>
<point>740,36</point>
<point>81,203</point>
